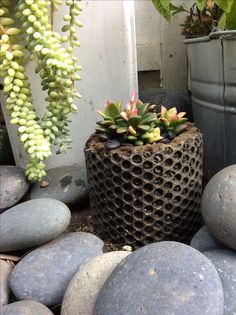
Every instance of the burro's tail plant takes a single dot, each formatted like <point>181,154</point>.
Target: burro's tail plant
<point>139,124</point>
<point>28,25</point>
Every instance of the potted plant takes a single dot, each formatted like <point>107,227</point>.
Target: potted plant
<point>27,25</point>
<point>145,174</point>
<point>209,28</point>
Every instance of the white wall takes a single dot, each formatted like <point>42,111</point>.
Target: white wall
<point>160,44</point>
<point>108,57</point>
<point>148,35</point>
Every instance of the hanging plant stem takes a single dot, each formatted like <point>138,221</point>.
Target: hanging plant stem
<point>57,70</point>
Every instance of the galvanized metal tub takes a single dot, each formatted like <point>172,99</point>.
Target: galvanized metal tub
<point>212,80</point>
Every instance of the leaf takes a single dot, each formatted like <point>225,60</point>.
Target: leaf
<point>122,130</point>
<point>222,22</point>
<point>113,127</point>
<point>200,4</point>
<point>143,109</point>
<point>225,5</point>
<point>104,115</point>
<point>135,120</point>
<point>230,18</point>
<point>180,121</point>
<point>144,127</point>
<point>148,118</point>
<point>132,138</point>
<point>138,142</point>
<point>132,131</point>
<point>145,135</point>
<point>163,7</point>
<point>104,123</point>
<point>112,110</point>
<point>120,122</point>
<point>139,104</point>
<point>175,9</point>
<point>101,130</point>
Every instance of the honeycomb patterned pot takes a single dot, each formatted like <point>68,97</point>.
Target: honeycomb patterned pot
<point>139,195</point>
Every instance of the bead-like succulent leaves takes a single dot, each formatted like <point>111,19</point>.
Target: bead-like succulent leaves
<point>137,123</point>
<point>170,120</point>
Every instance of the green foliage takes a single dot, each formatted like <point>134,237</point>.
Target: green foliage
<point>163,7</point>
<point>231,17</point>
<point>139,123</point>
<point>225,5</point>
<point>170,120</point>
<point>200,4</point>
<point>202,16</point>
<point>29,22</point>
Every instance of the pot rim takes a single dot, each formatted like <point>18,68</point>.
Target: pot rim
<point>230,34</point>
<point>191,132</point>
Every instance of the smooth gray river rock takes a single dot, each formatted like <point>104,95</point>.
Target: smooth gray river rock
<point>83,289</point>
<point>14,186</point>
<point>218,206</point>
<point>204,241</point>
<point>25,308</point>
<point>5,270</point>
<point>162,278</point>
<point>225,262</point>
<point>65,184</point>
<point>33,223</point>
<point>45,273</point>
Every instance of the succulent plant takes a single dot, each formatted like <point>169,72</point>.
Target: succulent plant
<point>170,120</point>
<point>138,123</point>
<point>28,25</point>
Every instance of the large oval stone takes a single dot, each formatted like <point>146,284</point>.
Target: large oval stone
<point>33,223</point>
<point>204,241</point>
<point>225,263</point>
<point>219,206</point>
<point>14,186</point>
<point>44,274</point>
<point>25,308</point>
<point>65,184</point>
<point>83,289</point>
<point>5,270</point>
<point>162,278</point>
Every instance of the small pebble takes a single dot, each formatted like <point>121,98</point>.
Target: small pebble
<point>127,248</point>
<point>103,137</point>
<point>112,144</point>
<point>165,140</point>
<point>171,135</point>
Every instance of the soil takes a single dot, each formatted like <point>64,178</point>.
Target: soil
<point>81,221</point>
<point>95,144</point>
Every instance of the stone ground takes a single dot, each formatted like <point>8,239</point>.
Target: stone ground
<point>81,221</point>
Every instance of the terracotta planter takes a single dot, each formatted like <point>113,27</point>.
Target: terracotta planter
<point>139,195</point>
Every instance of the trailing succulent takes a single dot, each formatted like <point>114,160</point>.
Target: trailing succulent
<point>139,124</point>
<point>28,25</point>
